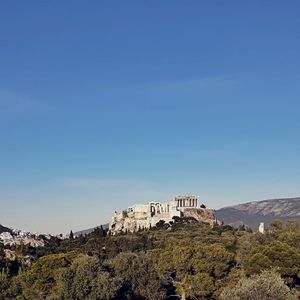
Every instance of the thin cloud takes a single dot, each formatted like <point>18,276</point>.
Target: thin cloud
<point>143,190</point>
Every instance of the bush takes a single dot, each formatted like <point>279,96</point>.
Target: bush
<point>266,286</point>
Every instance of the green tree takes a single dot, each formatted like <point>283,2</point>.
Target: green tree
<point>275,226</point>
<point>276,255</point>
<point>86,279</point>
<point>184,263</point>
<point>40,281</point>
<point>245,245</point>
<point>195,286</point>
<point>4,284</point>
<point>139,275</point>
<point>266,286</point>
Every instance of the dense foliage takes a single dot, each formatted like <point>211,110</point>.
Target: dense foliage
<point>185,261</point>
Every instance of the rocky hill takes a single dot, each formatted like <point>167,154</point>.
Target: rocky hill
<point>252,213</point>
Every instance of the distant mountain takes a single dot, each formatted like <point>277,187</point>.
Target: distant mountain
<point>5,229</point>
<point>87,231</point>
<point>252,213</point>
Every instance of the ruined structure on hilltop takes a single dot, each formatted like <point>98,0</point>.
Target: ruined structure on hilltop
<point>140,216</point>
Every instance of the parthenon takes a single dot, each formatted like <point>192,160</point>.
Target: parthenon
<point>186,201</point>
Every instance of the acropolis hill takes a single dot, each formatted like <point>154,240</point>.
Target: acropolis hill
<point>143,216</point>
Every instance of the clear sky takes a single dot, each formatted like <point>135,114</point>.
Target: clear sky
<point>104,104</point>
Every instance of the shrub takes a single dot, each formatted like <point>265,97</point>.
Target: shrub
<point>266,286</point>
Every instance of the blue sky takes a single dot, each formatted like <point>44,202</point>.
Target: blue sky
<point>104,104</point>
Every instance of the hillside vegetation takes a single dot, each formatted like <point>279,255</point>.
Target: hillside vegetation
<point>185,261</point>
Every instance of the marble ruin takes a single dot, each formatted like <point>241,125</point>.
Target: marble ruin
<point>261,227</point>
<point>143,216</point>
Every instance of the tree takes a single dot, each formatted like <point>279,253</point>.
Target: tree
<point>275,225</point>
<point>139,276</point>
<point>276,255</point>
<point>4,284</point>
<point>194,268</point>
<point>99,232</point>
<point>160,224</point>
<point>266,286</point>
<point>86,279</point>
<point>195,286</point>
<point>71,236</point>
<point>40,281</point>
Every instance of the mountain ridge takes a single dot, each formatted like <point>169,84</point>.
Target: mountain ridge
<point>254,212</point>
<point>5,229</point>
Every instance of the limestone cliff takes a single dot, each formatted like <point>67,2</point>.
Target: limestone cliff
<point>201,215</point>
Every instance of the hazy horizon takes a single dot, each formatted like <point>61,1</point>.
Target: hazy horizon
<point>104,105</point>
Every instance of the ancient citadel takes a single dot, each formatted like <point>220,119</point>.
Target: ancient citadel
<point>143,216</point>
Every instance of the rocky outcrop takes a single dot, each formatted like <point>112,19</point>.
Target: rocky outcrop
<point>201,215</point>
<point>126,224</point>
